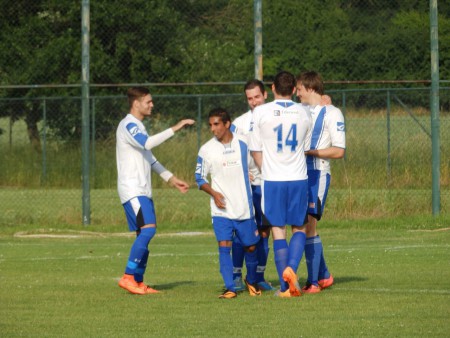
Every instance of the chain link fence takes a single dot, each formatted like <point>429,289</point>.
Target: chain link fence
<point>194,56</point>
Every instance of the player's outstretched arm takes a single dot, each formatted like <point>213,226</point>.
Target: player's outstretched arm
<point>182,123</point>
<point>182,186</point>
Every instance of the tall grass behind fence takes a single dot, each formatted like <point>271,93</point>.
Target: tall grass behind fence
<point>386,170</point>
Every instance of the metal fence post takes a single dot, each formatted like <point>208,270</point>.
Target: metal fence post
<point>92,172</point>
<point>85,24</point>
<point>258,39</point>
<point>434,98</point>
<point>388,131</point>
<point>44,141</point>
<point>199,121</point>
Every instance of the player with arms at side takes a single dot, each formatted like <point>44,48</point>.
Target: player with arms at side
<point>225,159</point>
<point>135,162</point>
<point>256,95</point>
<point>280,136</point>
<point>327,142</point>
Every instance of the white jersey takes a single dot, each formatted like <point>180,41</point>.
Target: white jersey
<point>134,162</point>
<point>282,131</point>
<point>243,125</point>
<point>328,131</point>
<point>228,167</point>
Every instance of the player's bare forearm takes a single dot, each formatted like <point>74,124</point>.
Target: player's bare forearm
<point>182,186</point>
<point>332,152</point>
<point>183,123</point>
<point>219,200</point>
<point>257,156</point>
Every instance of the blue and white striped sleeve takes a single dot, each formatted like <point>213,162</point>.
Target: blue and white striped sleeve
<point>145,141</point>
<point>201,170</point>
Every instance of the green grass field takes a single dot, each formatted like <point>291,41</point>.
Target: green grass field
<point>392,279</point>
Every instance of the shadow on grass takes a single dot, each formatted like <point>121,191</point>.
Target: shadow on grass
<point>173,285</point>
<point>348,279</point>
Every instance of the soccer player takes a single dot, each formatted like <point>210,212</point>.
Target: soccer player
<point>225,159</point>
<point>135,162</point>
<point>281,134</point>
<point>256,95</point>
<point>327,142</point>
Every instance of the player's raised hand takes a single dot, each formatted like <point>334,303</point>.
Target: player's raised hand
<point>182,186</point>
<point>182,123</point>
<point>325,100</point>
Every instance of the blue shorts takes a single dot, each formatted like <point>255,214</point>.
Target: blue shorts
<point>285,202</point>
<point>257,195</point>
<point>318,185</point>
<point>140,211</point>
<point>245,230</point>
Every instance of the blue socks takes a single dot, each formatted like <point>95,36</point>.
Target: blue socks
<point>313,254</point>
<point>296,247</point>
<point>323,269</point>
<point>251,262</point>
<point>140,270</point>
<point>262,252</point>
<point>226,267</point>
<point>238,254</point>
<point>139,250</point>
<point>281,255</point>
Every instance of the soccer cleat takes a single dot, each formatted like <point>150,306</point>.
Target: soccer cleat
<point>326,282</point>
<point>311,289</point>
<point>290,277</point>
<point>253,289</point>
<point>238,284</point>
<point>128,283</point>
<point>283,294</point>
<point>228,294</point>
<point>147,289</point>
<point>265,286</point>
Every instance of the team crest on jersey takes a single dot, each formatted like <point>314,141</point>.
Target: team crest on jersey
<point>340,126</point>
<point>276,112</point>
<point>134,130</point>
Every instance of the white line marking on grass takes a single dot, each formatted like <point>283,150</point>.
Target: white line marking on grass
<point>86,234</point>
<point>381,247</point>
<point>114,256</point>
<point>430,230</point>
<point>388,290</point>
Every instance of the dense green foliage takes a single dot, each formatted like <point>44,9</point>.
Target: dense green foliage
<point>139,41</point>
<point>179,41</point>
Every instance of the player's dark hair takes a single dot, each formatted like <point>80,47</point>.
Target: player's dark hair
<point>135,93</point>
<point>284,83</point>
<point>311,80</point>
<point>221,113</point>
<point>253,84</point>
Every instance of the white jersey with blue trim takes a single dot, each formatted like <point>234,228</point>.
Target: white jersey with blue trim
<point>282,131</point>
<point>228,169</point>
<point>243,125</point>
<point>134,162</point>
<point>328,131</point>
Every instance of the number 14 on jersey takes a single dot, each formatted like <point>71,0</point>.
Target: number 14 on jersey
<point>289,141</point>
